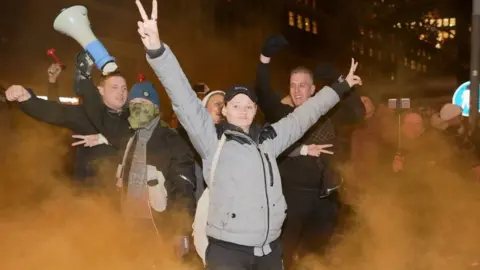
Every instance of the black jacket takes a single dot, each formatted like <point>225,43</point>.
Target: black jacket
<point>303,172</point>
<point>166,150</point>
<point>73,117</point>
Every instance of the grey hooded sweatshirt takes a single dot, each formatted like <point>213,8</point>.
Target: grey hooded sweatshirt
<point>247,206</point>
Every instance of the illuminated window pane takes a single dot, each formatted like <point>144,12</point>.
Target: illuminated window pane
<point>446,22</point>
<point>453,22</point>
<point>405,62</point>
<point>445,35</point>
<point>307,24</point>
<point>370,34</point>
<point>314,27</point>
<point>439,36</point>
<point>291,18</point>
<point>421,37</point>
<point>439,22</point>
<point>453,33</point>
<point>370,52</point>
<point>432,21</point>
<point>412,65</point>
<point>438,46</point>
<point>299,22</point>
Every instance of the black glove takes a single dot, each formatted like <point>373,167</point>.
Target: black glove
<point>84,64</point>
<point>326,71</point>
<point>273,45</point>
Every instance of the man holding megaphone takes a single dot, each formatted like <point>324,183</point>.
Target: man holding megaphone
<point>73,22</point>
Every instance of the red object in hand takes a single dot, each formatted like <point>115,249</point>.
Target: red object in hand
<point>51,52</point>
<point>141,77</point>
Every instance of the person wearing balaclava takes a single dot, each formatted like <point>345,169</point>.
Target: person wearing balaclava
<point>156,175</point>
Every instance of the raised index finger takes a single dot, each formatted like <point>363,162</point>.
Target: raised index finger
<point>141,10</point>
<point>154,10</point>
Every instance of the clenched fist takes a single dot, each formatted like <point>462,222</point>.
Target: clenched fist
<point>17,93</point>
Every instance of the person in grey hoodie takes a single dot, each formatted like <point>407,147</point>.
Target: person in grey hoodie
<point>247,207</point>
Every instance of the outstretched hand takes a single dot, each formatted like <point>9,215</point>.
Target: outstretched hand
<point>351,78</point>
<point>147,28</point>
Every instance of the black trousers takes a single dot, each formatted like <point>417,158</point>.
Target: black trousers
<point>222,255</point>
<point>310,222</point>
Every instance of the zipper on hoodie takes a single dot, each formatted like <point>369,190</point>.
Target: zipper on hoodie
<point>266,196</point>
<point>270,169</point>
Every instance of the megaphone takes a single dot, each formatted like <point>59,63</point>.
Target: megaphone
<point>73,22</point>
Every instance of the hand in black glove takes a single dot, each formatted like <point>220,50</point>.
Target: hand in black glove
<point>84,64</point>
<point>326,71</point>
<point>273,45</point>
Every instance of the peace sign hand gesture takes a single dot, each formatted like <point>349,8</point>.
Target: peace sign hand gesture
<point>351,78</point>
<point>148,28</point>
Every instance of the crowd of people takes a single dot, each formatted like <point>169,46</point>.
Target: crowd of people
<point>259,195</point>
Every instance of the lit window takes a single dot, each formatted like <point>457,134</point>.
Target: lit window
<point>392,77</point>
<point>399,25</point>
<point>446,22</point>
<point>314,27</point>
<point>453,22</point>
<point>307,24</point>
<point>432,21</point>
<point>453,33</point>
<point>440,36</point>
<point>370,34</point>
<point>438,46</point>
<point>291,18</point>
<point>421,37</point>
<point>405,62</point>
<point>445,35</point>
<point>439,22</point>
<point>412,65</point>
<point>420,24</point>
<point>370,52</point>
<point>299,22</point>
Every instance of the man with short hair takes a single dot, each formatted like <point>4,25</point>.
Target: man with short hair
<point>114,92</point>
<point>307,173</point>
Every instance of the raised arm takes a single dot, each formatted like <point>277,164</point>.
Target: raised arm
<point>292,127</point>
<point>188,108</point>
<point>269,101</point>
<point>67,116</point>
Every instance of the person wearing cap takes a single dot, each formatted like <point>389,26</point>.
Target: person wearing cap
<point>156,174</point>
<point>245,208</point>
